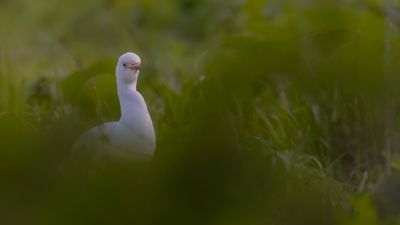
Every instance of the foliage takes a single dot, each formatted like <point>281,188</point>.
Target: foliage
<point>266,112</point>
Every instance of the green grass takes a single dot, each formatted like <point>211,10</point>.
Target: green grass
<point>275,112</point>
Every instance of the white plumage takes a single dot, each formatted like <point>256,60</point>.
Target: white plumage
<point>132,137</point>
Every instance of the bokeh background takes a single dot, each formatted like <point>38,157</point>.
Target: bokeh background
<point>266,111</point>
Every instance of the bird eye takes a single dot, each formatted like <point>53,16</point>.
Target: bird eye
<point>124,64</point>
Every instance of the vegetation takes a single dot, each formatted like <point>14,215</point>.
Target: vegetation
<point>266,111</point>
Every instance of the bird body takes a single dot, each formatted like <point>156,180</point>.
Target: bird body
<point>133,136</point>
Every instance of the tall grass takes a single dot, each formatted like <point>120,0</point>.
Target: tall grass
<point>274,112</point>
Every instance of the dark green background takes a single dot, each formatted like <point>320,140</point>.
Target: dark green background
<point>266,112</point>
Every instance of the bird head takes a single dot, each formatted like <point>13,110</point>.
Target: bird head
<point>128,67</point>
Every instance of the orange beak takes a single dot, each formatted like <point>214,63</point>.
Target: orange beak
<point>133,66</point>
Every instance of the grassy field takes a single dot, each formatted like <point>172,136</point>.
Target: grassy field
<point>266,112</point>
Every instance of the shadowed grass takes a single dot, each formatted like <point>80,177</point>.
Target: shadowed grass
<point>275,112</point>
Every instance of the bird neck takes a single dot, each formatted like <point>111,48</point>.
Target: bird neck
<point>127,94</point>
<point>130,102</point>
<point>126,88</point>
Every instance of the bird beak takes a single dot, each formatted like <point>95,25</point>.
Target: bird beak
<point>133,66</point>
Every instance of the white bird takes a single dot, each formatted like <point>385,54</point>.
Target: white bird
<point>133,136</point>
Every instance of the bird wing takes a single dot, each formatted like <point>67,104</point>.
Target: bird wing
<point>113,140</point>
